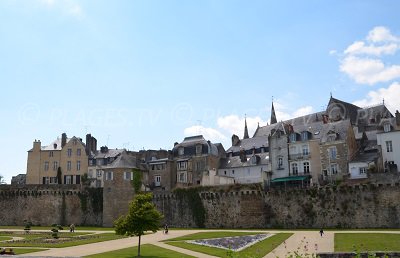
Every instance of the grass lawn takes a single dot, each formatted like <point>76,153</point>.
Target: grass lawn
<point>146,251</point>
<point>258,250</point>
<point>18,251</point>
<point>65,228</point>
<point>45,240</point>
<point>362,242</point>
<point>5,238</point>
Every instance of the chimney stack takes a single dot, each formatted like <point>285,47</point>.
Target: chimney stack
<point>325,119</point>
<point>235,140</point>
<point>63,140</point>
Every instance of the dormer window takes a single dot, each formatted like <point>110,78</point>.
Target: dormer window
<point>254,160</point>
<point>181,151</point>
<point>292,137</point>
<point>199,149</point>
<point>386,127</point>
<point>304,136</point>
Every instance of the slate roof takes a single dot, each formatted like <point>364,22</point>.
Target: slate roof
<point>123,161</point>
<point>111,153</point>
<point>235,162</point>
<point>198,139</point>
<point>250,143</point>
<point>51,146</point>
<point>365,157</point>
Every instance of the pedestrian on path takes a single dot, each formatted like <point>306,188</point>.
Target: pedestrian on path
<point>321,232</point>
<point>166,228</point>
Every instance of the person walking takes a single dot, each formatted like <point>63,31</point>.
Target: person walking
<point>166,228</point>
<point>321,232</point>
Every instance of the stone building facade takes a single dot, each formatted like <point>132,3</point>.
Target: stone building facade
<point>62,162</point>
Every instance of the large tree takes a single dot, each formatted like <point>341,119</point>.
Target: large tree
<point>142,216</point>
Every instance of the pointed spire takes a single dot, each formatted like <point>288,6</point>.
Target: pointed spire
<point>246,132</point>
<point>273,116</point>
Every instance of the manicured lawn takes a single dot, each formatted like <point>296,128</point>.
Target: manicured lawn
<point>362,242</point>
<point>64,228</point>
<point>18,251</point>
<point>45,240</point>
<point>258,250</point>
<point>146,251</point>
<point>217,234</point>
<point>5,238</point>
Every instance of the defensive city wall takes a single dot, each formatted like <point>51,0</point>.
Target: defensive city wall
<point>360,206</point>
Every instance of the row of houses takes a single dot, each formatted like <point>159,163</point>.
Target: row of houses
<point>342,143</point>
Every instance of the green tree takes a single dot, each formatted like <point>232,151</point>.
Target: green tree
<point>59,176</point>
<point>137,180</point>
<point>2,181</point>
<point>142,216</point>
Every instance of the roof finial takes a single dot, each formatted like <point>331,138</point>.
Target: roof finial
<point>383,101</point>
<point>246,132</point>
<point>331,94</point>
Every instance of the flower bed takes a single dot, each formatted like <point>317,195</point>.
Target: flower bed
<point>231,243</point>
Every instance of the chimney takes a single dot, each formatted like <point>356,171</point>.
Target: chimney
<point>397,118</point>
<point>175,144</point>
<point>243,157</point>
<point>63,140</point>
<point>37,145</point>
<point>104,149</point>
<point>235,140</point>
<point>55,146</point>
<point>325,119</point>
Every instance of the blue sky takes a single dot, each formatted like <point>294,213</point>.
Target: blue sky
<point>145,74</point>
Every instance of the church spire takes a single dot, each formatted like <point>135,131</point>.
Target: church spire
<point>246,132</point>
<point>273,116</point>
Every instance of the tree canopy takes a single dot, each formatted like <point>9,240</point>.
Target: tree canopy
<point>142,216</point>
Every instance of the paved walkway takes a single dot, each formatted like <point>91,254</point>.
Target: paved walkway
<point>303,242</point>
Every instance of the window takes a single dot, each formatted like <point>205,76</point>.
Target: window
<point>295,169</point>
<point>386,127</point>
<point>181,151</point>
<point>293,150</point>
<point>46,166</point>
<point>254,160</point>
<point>109,175</point>
<point>304,136</point>
<point>332,137</point>
<point>78,152</point>
<point>46,180</point>
<point>51,154</point>
<point>280,162</point>
<point>78,165</point>
<point>363,170</point>
<point>389,147</point>
<point>225,172</point>
<point>69,152</point>
<point>68,180</point>
<point>69,165</point>
<point>128,175</point>
<point>306,152</point>
<point>233,172</point>
<point>157,180</point>
<point>306,167</point>
<point>53,180</point>
<point>334,169</point>
<point>293,137</point>
<point>92,162</point>
<point>199,149</point>
<point>332,153</point>
<point>182,177</point>
<point>55,165</point>
<point>182,165</point>
<point>99,173</point>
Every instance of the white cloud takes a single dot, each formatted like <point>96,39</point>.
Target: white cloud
<point>303,111</point>
<point>391,95</point>
<point>359,47</point>
<point>381,34</point>
<point>368,70</point>
<point>208,133</point>
<point>333,52</point>
<point>234,124</point>
<point>361,63</point>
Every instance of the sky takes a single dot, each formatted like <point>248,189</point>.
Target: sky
<point>145,74</point>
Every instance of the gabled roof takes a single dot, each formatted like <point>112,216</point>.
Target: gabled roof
<point>124,161</point>
<point>110,153</point>
<point>51,146</point>
<point>250,143</point>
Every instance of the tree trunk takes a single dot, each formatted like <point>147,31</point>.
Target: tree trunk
<point>138,250</point>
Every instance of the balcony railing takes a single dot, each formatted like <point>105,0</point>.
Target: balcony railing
<point>299,156</point>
